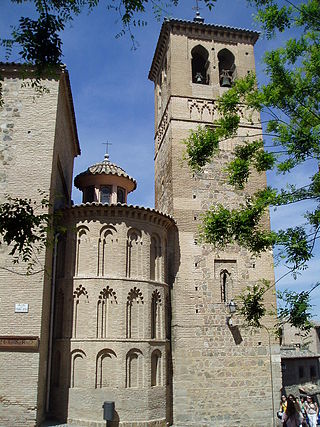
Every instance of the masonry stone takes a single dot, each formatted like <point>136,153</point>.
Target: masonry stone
<point>128,305</point>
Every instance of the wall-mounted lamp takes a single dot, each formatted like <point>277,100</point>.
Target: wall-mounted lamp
<point>232,308</point>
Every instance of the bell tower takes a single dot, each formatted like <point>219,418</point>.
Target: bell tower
<point>224,373</point>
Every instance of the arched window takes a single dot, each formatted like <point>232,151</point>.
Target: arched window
<point>199,65</point>
<point>105,368</point>
<point>121,195</point>
<point>80,298</point>
<point>56,369</point>
<point>227,68</point>
<point>61,255</point>
<point>156,315</point>
<point>156,379</point>
<point>134,369</point>
<point>105,194</point>
<point>168,318</point>
<point>224,284</point>
<point>89,194</point>
<point>134,320</point>
<point>155,258</point>
<point>78,369</point>
<point>106,250</point>
<point>59,311</point>
<point>134,253</point>
<point>82,248</point>
<point>107,299</point>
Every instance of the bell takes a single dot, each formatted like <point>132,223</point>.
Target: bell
<point>199,78</point>
<point>225,81</point>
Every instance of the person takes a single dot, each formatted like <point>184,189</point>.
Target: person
<point>312,411</point>
<point>303,411</point>
<point>292,417</point>
<point>283,406</point>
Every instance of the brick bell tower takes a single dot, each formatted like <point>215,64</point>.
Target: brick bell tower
<point>223,374</point>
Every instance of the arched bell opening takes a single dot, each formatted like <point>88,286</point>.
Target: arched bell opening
<point>200,65</point>
<point>227,68</point>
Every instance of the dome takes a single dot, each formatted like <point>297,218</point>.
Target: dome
<point>105,182</point>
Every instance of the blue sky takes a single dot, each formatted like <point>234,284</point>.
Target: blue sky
<point>114,102</point>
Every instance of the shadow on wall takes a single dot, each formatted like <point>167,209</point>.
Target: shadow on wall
<point>236,334</point>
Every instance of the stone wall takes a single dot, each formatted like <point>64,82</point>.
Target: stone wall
<point>27,163</point>
<point>222,375</point>
<point>112,317</point>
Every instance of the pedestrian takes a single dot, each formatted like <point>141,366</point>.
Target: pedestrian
<point>292,417</point>
<point>283,406</point>
<point>303,411</point>
<point>312,411</point>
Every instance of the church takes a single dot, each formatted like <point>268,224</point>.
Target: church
<point>128,319</point>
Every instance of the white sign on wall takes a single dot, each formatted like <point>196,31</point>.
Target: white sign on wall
<point>21,308</point>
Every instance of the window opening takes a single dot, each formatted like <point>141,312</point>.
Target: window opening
<point>121,192</point>
<point>200,65</point>
<point>313,373</point>
<point>301,372</point>
<point>227,68</point>
<point>224,279</point>
<point>105,194</point>
<point>88,194</point>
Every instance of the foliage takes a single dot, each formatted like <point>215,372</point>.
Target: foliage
<point>23,228</point>
<point>291,99</point>
<point>294,308</point>
<point>251,305</point>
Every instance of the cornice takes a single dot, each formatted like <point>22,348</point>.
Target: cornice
<point>115,211</point>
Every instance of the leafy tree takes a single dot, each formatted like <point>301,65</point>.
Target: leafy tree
<point>291,99</point>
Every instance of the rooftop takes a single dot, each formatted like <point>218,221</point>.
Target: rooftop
<point>104,167</point>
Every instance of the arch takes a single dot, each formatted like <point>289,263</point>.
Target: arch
<point>106,250</point>
<point>82,243</point>
<point>78,369</point>
<point>156,315</point>
<point>168,317</point>
<point>61,255</point>
<point>107,298</point>
<point>155,258</point>
<point>156,368</point>
<point>224,285</point>
<point>134,369</point>
<point>105,368</point>
<point>134,253</point>
<point>200,65</point>
<point>134,315</point>
<point>121,195</point>
<point>227,67</point>
<point>59,312</point>
<point>105,194</point>
<point>56,369</point>
<point>89,195</point>
<point>80,297</point>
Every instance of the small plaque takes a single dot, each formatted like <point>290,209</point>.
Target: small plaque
<point>19,343</point>
<point>21,308</point>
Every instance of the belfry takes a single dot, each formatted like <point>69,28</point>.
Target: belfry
<point>213,363</point>
<point>134,313</point>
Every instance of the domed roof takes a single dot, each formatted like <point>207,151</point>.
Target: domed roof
<point>104,167</point>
